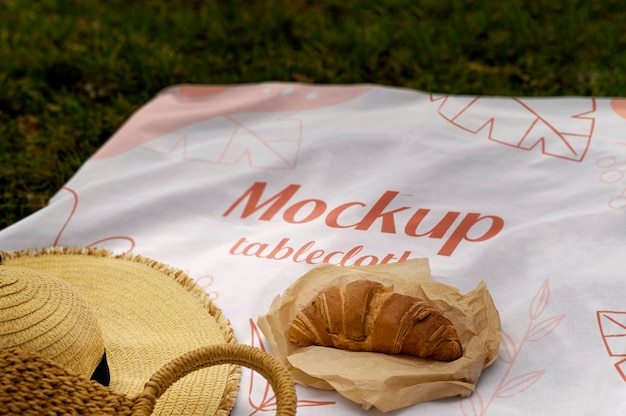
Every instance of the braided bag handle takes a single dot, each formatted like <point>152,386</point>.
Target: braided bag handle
<point>33,385</point>
<point>258,360</point>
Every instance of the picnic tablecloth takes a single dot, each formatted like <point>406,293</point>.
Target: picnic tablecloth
<point>249,187</point>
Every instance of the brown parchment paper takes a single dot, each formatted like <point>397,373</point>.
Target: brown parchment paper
<point>388,382</point>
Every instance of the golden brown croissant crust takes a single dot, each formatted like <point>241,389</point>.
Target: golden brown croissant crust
<point>366,316</point>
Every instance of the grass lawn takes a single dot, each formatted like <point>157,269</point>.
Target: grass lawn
<point>71,72</point>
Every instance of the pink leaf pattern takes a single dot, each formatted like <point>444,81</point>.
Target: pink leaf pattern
<point>536,330</point>
<point>509,350</point>
<point>99,242</point>
<point>613,332</point>
<point>180,107</point>
<point>473,406</point>
<point>522,125</point>
<point>518,384</point>
<point>267,402</point>
<point>620,367</point>
<point>276,146</point>
<point>540,300</point>
<point>543,328</point>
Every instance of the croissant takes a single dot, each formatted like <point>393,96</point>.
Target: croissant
<point>366,316</point>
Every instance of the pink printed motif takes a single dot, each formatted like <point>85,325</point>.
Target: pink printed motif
<point>99,242</point>
<point>613,331</point>
<point>267,402</point>
<point>618,105</point>
<point>524,124</point>
<point>271,147</point>
<point>182,114</point>
<point>614,174</point>
<point>538,328</point>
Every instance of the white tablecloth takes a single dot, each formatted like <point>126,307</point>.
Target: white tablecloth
<point>248,187</point>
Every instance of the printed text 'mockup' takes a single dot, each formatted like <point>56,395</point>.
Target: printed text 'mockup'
<point>382,212</point>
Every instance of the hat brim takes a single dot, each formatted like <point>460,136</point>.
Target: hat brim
<point>149,314</point>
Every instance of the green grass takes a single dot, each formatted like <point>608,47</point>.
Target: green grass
<point>71,72</point>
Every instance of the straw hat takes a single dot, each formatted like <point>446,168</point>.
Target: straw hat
<point>142,328</point>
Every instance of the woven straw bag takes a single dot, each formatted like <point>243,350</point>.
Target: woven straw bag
<point>33,385</point>
<point>84,331</point>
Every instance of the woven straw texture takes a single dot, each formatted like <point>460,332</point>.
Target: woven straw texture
<point>146,321</point>
<point>31,384</point>
<point>33,304</point>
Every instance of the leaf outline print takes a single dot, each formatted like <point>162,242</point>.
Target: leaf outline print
<point>73,210</point>
<point>183,105</point>
<point>526,128</point>
<point>612,325</point>
<point>508,386</point>
<point>518,384</point>
<point>508,347</point>
<point>228,140</point>
<point>267,402</point>
<point>473,405</point>
<point>544,328</point>
<point>540,301</point>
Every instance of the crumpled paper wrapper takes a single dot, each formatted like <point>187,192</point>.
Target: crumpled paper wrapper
<point>388,382</point>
